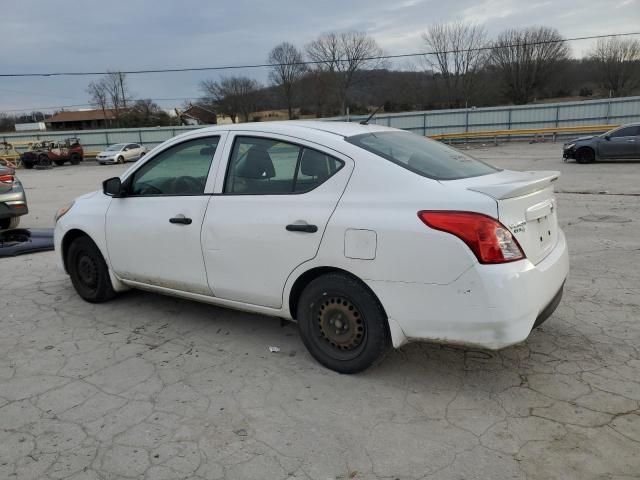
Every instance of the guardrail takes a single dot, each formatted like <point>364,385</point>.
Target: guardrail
<point>523,132</point>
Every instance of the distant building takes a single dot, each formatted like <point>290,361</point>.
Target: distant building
<point>81,120</point>
<point>31,127</point>
<point>197,115</point>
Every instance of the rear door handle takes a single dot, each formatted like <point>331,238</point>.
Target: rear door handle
<point>302,227</point>
<point>180,219</point>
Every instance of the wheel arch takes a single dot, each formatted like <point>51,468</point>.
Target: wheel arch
<point>398,338</point>
<point>309,275</point>
<point>67,239</point>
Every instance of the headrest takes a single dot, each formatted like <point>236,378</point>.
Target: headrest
<point>207,151</point>
<point>313,164</point>
<point>258,164</point>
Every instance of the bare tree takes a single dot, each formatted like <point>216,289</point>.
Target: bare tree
<point>617,62</point>
<point>286,72</point>
<point>99,97</point>
<point>233,96</point>
<point>458,56</point>
<point>525,58</point>
<point>345,55</point>
<point>117,90</point>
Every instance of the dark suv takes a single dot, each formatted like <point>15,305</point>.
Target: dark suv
<point>13,201</point>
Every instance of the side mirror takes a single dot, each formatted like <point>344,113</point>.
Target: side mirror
<point>607,137</point>
<point>112,187</point>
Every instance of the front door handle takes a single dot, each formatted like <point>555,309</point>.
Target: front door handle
<point>180,219</point>
<point>302,227</point>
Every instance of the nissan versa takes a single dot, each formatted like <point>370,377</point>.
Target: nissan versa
<point>366,236</point>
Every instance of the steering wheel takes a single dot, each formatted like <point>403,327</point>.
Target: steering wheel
<point>185,184</point>
<point>147,189</point>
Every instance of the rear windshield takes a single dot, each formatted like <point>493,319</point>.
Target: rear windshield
<point>420,155</point>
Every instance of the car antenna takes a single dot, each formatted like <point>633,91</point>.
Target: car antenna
<point>366,122</point>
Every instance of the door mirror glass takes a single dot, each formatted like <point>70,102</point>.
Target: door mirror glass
<point>607,137</point>
<point>112,187</point>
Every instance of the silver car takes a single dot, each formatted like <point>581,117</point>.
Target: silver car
<point>121,153</point>
<point>13,201</point>
<point>622,143</point>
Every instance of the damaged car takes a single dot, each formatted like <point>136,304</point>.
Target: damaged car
<point>368,237</point>
<point>622,143</point>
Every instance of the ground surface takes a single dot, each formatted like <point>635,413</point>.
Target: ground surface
<point>153,387</point>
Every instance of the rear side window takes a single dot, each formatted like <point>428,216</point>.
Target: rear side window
<point>261,166</point>
<point>422,156</point>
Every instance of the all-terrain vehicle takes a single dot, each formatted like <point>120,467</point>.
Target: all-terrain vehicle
<point>46,152</point>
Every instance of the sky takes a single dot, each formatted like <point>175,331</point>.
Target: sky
<point>90,35</point>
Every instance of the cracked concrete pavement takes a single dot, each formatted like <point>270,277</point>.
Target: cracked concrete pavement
<point>154,387</point>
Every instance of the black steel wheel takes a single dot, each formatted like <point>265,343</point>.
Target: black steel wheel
<point>585,155</point>
<point>342,324</point>
<point>88,271</point>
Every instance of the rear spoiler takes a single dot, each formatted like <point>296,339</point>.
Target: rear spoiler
<point>518,184</point>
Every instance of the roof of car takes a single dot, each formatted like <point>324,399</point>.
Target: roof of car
<point>343,129</point>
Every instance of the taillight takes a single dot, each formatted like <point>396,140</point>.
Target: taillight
<point>488,239</point>
<point>6,178</point>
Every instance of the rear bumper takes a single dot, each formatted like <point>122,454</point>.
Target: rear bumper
<point>490,306</point>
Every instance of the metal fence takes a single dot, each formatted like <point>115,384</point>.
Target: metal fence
<point>93,140</point>
<point>565,114</point>
<point>431,122</point>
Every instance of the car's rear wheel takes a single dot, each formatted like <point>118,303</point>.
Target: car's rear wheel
<point>27,165</point>
<point>59,162</point>
<point>342,323</point>
<point>88,271</point>
<point>44,161</point>
<point>585,155</point>
<point>9,223</point>
<point>75,159</point>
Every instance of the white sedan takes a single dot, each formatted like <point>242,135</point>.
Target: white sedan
<point>121,153</point>
<point>366,236</point>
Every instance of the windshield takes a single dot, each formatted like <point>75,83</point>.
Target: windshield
<point>117,147</point>
<point>422,156</point>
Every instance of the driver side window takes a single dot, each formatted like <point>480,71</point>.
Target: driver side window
<point>179,170</point>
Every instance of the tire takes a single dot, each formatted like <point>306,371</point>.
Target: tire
<point>88,271</point>
<point>75,159</point>
<point>9,223</point>
<point>340,302</point>
<point>27,165</point>
<point>585,155</point>
<point>59,162</point>
<point>120,159</point>
<point>44,161</point>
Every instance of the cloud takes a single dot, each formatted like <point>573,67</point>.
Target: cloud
<point>73,35</point>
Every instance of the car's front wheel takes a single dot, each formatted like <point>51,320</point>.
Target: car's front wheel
<point>120,159</point>
<point>585,155</point>
<point>88,271</point>
<point>342,323</point>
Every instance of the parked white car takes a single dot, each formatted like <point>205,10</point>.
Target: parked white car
<point>366,236</point>
<point>121,153</point>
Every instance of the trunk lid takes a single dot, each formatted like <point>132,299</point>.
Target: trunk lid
<point>526,206</point>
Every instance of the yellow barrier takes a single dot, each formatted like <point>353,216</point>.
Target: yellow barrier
<point>524,131</point>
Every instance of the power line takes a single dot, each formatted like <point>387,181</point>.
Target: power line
<point>307,62</point>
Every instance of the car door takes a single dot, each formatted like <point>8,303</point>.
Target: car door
<point>136,151</point>
<point>620,144</point>
<point>272,203</point>
<point>153,232</point>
